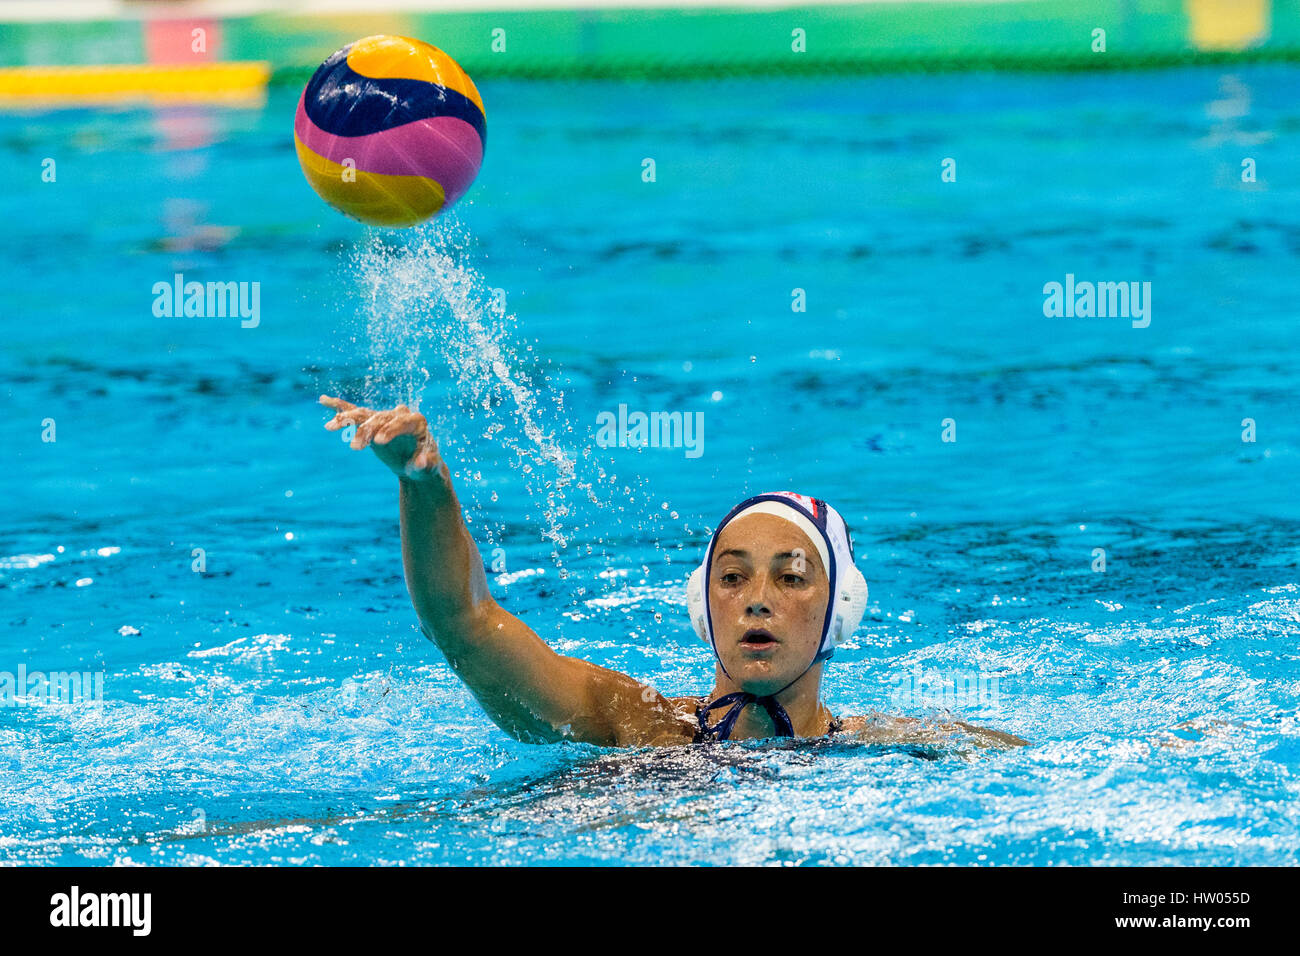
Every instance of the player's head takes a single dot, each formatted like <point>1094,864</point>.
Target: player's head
<point>777,591</point>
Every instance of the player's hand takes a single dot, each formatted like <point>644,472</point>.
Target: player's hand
<point>399,436</point>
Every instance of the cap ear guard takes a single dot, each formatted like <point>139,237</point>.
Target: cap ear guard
<point>850,605</point>
<point>695,603</point>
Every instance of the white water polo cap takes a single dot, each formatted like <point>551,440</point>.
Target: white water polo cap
<point>828,532</point>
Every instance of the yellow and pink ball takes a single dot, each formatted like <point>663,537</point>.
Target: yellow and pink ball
<point>390,131</point>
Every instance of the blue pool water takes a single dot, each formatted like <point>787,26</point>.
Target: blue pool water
<point>280,706</point>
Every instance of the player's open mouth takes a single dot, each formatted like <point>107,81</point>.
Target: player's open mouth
<point>758,639</point>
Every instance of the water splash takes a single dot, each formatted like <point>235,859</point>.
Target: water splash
<point>426,304</point>
<point>423,298</point>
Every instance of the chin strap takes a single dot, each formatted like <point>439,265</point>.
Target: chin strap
<point>738,700</point>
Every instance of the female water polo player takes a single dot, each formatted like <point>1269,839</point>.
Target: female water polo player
<point>777,591</point>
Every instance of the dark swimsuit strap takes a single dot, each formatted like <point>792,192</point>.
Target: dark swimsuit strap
<point>738,700</point>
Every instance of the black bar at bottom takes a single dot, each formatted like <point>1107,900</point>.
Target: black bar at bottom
<point>232,906</point>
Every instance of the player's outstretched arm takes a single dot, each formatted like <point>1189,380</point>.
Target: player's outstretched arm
<point>529,690</point>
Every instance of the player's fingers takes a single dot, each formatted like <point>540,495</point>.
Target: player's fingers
<point>351,416</point>
<point>337,404</point>
<point>345,413</point>
<point>366,429</point>
<point>409,423</point>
